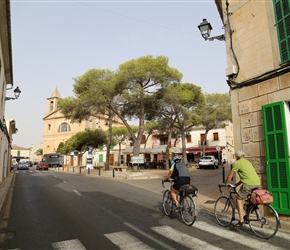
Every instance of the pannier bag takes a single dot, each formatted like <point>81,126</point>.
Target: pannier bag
<point>188,189</point>
<point>261,196</point>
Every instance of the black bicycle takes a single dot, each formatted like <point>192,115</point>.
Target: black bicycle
<point>263,219</point>
<point>188,207</point>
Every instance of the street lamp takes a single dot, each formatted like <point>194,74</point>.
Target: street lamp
<point>17,92</point>
<point>205,29</point>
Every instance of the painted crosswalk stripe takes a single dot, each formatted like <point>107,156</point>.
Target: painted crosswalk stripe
<point>148,236</point>
<point>226,233</point>
<point>183,239</point>
<point>68,245</point>
<point>125,241</point>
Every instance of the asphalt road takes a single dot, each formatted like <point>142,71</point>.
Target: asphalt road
<point>57,210</point>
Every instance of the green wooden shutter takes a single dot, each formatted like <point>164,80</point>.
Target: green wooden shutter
<point>101,158</point>
<point>277,155</point>
<point>282,14</point>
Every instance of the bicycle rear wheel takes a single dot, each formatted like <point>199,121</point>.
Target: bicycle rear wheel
<point>224,210</point>
<point>188,210</point>
<point>263,220</point>
<point>167,203</point>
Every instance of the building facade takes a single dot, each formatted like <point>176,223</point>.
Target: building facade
<point>20,153</point>
<point>7,125</point>
<point>258,54</point>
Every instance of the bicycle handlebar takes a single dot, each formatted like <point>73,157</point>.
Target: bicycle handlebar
<point>232,186</point>
<point>162,183</point>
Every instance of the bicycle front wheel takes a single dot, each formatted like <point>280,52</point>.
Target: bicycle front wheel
<point>167,203</point>
<point>224,211</point>
<point>263,220</point>
<point>188,210</point>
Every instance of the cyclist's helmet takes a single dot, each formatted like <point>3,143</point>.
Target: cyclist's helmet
<point>176,158</point>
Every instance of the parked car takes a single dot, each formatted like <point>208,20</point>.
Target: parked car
<point>42,166</point>
<point>23,166</point>
<point>29,163</point>
<point>208,161</point>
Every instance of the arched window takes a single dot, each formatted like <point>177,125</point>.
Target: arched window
<point>64,127</point>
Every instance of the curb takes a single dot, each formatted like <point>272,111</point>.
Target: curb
<point>4,187</point>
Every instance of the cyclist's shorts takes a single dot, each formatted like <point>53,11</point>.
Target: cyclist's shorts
<point>244,191</point>
<point>181,181</point>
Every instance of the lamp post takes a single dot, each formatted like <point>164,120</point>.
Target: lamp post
<point>17,92</point>
<point>205,29</point>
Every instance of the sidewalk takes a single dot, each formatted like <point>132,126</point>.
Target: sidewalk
<point>4,188</point>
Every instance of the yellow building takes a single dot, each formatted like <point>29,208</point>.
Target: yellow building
<point>257,37</point>
<point>58,129</point>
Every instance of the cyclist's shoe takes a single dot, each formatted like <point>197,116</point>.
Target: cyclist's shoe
<point>239,224</point>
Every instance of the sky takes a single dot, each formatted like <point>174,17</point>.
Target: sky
<point>54,42</point>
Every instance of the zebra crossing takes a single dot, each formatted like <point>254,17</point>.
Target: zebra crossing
<point>30,171</point>
<point>126,241</point>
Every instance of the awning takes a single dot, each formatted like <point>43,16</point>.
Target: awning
<point>20,157</point>
<point>210,150</point>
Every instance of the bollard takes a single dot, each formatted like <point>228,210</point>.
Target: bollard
<point>80,170</point>
<point>88,170</point>
<point>73,169</point>
<point>113,172</point>
<point>224,179</point>
<point>99,171</point>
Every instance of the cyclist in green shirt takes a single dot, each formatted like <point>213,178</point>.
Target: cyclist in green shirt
<point>248,178</point>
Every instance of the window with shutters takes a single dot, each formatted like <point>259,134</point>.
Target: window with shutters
<point>276,123</point>
<point>282,14</point>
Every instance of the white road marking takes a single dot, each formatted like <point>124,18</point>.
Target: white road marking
<point>77,192</point>
<point>162,244</point>
<point>226,233</point>
<point>125,241</point>
<point>183,239</point>
<point>68,245</point>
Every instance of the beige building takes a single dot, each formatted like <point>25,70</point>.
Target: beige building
<point>257,40</point>
<point>8,125</point>
<point>58,129</point>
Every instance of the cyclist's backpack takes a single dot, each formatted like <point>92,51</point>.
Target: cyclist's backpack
<point>188,189</point>
<point>261,196</point>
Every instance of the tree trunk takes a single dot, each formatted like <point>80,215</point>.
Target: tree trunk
<point>108,145</point>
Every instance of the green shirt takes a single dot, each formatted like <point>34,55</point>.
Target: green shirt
<point>247,173</point>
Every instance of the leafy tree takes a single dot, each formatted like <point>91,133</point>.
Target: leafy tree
<point>138,79</point>
<point>179,106</point>
<point>95,93</point>
<point>39,152</point>
<point>124,92</point>
<point>60,146</point>
<point>84,139</point>
<point>215,113</point>
<point>120,136</point>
